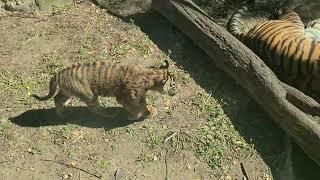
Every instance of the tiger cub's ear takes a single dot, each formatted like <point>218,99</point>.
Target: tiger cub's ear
<point>165,65</point>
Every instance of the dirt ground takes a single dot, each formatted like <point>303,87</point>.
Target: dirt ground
<point>209,130</point>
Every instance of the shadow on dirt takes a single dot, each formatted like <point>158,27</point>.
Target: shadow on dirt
<point>73,115</point>
<point>250,120</point>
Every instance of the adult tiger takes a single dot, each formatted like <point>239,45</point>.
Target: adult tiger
<point>289,49</point>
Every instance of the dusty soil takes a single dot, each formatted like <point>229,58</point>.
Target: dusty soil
<point>209,130</point>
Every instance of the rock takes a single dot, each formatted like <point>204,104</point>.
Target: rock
<point>26,6</point>
<point>10,6</point>
<point>1,4</point>
<point>19,2</point>
<point>126,7</point>
<point>48,5</point>
<point>19,5</point>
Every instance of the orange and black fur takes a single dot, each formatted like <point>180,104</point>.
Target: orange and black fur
<point>292,51</point>
<point>128,83</point>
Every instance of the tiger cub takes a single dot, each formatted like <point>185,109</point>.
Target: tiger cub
<point>127,83</point>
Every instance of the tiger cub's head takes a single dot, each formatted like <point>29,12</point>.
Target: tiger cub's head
<point>162,80</point>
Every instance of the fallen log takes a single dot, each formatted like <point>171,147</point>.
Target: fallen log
<point>292,110</point>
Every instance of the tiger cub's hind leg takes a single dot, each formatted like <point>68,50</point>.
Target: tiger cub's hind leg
<point>95,107</point>
<point>61,100</point>
<point>134,113</point>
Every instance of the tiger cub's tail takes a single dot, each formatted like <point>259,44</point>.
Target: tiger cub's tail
<point>52,90</point>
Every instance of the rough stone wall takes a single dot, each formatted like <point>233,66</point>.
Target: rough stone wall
<point>33,5</point>
<point>310,8</point>
<point>125,7</point>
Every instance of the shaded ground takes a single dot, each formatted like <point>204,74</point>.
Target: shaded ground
<point>206,131</point>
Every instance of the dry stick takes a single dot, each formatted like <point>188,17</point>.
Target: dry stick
<point>171,136</point>
<point>65,164</point>
<point>165,160</point>
<point>244,171</point>
<point>165,157</point>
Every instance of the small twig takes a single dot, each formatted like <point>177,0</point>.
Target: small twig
<point>209,96</point>
<point>165,160</point>
<point>171,136</point>
<point>76,139</point>
<point>3,162</point>
<point>244,171</point>
<point>187,134</point>
<point>65,164</point>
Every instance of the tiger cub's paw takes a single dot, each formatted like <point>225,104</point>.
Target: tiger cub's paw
<point>151,112</point>
<point>134,117</point>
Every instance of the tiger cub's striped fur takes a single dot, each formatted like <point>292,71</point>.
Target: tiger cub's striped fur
<point>292,51</point>
<point>128,83</point>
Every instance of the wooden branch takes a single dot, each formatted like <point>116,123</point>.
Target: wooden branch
<point>302,101</point>
<point>250,72</point>
<point>71,166</point>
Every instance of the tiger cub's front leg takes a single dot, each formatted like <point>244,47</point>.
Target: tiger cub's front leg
<point>135,106</point>
<point>151,112</point>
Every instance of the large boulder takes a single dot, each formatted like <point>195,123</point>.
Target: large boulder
<point>48,5</point>
<point>19,5</point>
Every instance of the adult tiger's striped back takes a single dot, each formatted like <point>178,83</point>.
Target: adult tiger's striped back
<point>283,45</point>
<point>313,30</point>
